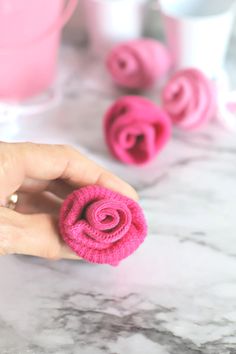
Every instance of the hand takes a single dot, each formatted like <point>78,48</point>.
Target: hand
<point>43,175</point>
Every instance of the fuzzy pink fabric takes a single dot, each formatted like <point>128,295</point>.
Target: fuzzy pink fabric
<point>102,226</point>
<point>189,99</point>
<point>138,64</point>
<point>136,129</point>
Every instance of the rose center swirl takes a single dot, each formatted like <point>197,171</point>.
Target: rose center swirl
<point>109,216</point>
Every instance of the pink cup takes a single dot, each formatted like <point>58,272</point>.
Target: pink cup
<point>29,40</point>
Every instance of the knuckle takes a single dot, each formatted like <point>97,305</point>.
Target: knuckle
<point>103,176</point>
<point>52,251</point>
<point>53,254</point>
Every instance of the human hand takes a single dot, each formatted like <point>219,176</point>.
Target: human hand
<point>43,175</point>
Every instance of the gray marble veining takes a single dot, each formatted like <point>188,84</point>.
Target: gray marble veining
<point>177,294</point>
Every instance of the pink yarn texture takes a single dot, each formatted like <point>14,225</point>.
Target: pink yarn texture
<point>189,99</point>
<point>102,226</point>
<point>136,129</point>
<point>138,64</point>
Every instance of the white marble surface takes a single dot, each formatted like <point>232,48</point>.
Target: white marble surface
<point>177,294</point>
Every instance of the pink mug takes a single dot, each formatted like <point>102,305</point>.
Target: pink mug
<point>29,40</point>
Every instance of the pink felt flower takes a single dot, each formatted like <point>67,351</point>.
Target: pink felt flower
<point>102,226</point>
<point>189,99</point>
<point>136,129</point>
<point>139,63</point>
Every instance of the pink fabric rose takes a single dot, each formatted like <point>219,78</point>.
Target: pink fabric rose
<point>189,99</point>
<point>102,226</point>
<point>138,64</point>
<point>136,129</point>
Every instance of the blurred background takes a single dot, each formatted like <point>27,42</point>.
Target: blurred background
<point>62,40</point>
<point>177,294</point>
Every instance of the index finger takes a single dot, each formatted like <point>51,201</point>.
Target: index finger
<point>50,162</point>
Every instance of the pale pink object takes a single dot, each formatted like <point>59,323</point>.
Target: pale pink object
<point>102,226</point>
<point>136,129</point>
<point>189,99</point>
<point>138,64</point>
<point>29,40</point>
<point>226,113</point>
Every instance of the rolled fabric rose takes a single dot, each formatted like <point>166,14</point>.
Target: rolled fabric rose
<point>138,64</point>
<point>102,226</point>
<point>189,99</point>
<point>136,129</point>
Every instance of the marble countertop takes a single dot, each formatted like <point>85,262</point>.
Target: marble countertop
<point>177,294</point>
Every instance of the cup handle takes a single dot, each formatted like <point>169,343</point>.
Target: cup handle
<point>63,19</point>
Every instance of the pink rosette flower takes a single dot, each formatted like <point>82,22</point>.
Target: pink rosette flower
<point>136,129</point>
<point>138,64</point>
<point>102,226</point>
<point>189,99</point>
